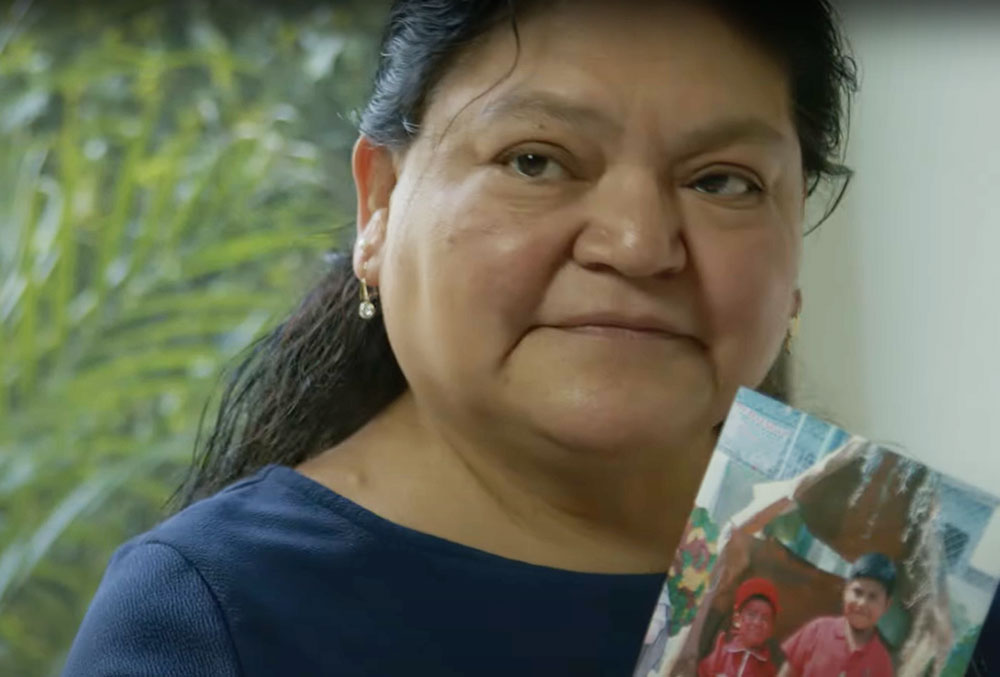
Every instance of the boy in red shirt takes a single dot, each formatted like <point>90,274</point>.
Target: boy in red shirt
<point>746,653</point>
<point>848,645</point>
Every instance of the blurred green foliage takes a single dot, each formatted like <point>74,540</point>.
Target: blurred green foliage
<point>170,175</point>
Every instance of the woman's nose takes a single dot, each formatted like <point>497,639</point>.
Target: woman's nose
<point>633,225</point>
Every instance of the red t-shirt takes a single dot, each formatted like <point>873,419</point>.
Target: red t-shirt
<point>820,649</point>
<point>729,659</point>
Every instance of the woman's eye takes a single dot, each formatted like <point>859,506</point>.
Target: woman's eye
<point>536,166</point>
<point>726,185</point>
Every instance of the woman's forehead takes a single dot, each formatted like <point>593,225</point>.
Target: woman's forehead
<point>585,69</point>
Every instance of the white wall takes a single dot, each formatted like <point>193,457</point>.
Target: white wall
<point>900,333</point>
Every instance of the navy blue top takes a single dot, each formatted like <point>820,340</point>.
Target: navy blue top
<point>278,575</point>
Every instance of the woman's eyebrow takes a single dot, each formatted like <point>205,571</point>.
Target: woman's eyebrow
<point>533,105</point>
<point>728,131</point>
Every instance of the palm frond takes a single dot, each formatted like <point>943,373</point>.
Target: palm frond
<point>161,196</point>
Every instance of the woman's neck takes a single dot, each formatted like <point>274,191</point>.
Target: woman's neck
<point>606,515</point>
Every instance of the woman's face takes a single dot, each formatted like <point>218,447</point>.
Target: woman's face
<point>597,246</point>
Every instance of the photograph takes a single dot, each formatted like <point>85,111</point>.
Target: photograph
<point>813,552</point>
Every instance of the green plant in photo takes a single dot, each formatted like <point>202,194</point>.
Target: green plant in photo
<point>690,573</point>
<point>170,176</point>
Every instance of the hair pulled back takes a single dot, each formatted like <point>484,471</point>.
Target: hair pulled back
<point>323,373</point>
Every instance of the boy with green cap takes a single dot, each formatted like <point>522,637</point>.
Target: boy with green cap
<point>847,645</point>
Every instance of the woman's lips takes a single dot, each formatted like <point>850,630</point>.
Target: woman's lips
<point>613,331</point>
<point>613,324</point>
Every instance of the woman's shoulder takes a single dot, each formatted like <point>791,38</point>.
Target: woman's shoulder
<point>153,612</point>
<point>181,596</point>
<point>275,510</point>
<point>274,522</point>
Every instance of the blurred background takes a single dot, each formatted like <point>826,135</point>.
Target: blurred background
<point>172,174</point>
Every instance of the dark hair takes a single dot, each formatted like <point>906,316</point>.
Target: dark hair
<point>877,567</point>
<point>324,372</point>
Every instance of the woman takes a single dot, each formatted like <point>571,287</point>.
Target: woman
<point>583,222</point>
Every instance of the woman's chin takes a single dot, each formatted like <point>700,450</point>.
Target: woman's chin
<point>622,429</point>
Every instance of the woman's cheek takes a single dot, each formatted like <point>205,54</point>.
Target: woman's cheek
<point>512,225</point>
<point>496,262</point>
<point>749,296</point>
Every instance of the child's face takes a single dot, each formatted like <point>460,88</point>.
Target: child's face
<point>864,603</point>
<point>756,622</point>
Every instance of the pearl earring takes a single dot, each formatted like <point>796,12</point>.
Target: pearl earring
<point>366,309</point>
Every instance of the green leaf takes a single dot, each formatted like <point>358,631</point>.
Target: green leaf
<point>169,174</point>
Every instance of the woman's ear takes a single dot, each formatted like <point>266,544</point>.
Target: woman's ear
<point>374,169</point>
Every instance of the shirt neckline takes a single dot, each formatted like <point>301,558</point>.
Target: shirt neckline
<point>841,630</point>
<point>399,536</point>
<point>761,655</point>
